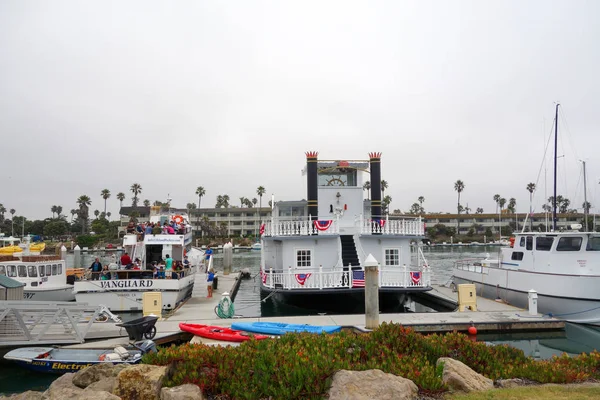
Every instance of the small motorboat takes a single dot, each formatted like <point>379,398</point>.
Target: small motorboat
<point>219,333</point>
<point>62,360</point>
<point>280,328</point>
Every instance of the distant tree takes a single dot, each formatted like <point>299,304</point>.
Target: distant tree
<point>53,210</point>
<point>105,193</point>
<point>254,201</point>
<point>96,213</point>
<point>385,204</point>
<point>384,186</point>
<point>242,201</point>
<point>226,200</point>
<point>479,210</point>
<point>421,200</point>
<point>12,220</point>
<point>497,199</point>
<point>219,202</point>
<point>84,203</point>
<point>136,189</point>
<point>414,209</point>
<point>367,187</point>
<point>459,186</point>
<point>501,203</point>
<point>73,212</point>
<point>467,209</point>
<point>488,232</point>
<point>55,228</point>
<point>146,203</point>
<point>108,214</point>
<point>120,197</point>
<point>2,211</point>
<point>200,192</point>
<point>270,203</point>
<point>512,204</point>
<point>260,191</point>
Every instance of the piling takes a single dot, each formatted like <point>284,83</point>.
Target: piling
<point>63,253</point>
<point>371,293</point>
<point>77,257</point>
<point>227,258</point>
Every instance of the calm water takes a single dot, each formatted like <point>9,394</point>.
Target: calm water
<point>574,340</point>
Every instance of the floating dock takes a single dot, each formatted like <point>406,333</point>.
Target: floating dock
<point>491,316</point>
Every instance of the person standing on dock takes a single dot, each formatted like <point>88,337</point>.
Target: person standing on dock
<point>209,281</point>
<point>208,253</point>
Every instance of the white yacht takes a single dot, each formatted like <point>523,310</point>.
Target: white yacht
<point>562,267</point>
<point>45,277</point>
<point>313,252</point>
<point>123,291</point>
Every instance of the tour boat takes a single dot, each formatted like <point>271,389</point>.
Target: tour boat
<point>44,276</point>
<point>219,333</point>
<point>313,252</point>
<point>124,291</point>
<point>63,360</point>
<point>280,328</point>
<point>561,268</point>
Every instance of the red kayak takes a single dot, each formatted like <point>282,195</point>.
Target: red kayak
<point>219,333</point>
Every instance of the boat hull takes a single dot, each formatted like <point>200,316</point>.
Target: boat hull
<point>62,367</point>
<point>568,297</point>
<point>51,294</point>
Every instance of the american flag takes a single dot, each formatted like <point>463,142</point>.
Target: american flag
<point>358,278</point>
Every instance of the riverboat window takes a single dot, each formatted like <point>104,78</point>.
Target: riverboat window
<point>11,271</point>
<point>543,243</point>
<point>392,257</point>
<point>529,241</point>
<point>41,270</point>
<point>48,270</point>
<point>2,270</point>
<point>303,258</point>
<point>569,243</point>
<point>593,243</point>
<point>517,256</point>
<point>32,271</point>
<point>54,269</point>
<point>60,269</point>
<point>22,271</point>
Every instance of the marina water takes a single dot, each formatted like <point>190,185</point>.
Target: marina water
<point>541,345</point>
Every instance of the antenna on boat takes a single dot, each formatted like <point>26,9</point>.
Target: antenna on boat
<point>555,162</point>
<point>585,203</point>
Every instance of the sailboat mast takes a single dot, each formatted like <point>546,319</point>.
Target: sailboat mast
<point>585,203</point>
<point>555,158</point>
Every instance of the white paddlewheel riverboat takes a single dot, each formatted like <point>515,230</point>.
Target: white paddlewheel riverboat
<point>313,251</point>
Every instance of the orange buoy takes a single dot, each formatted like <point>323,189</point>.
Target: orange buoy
<point>472,330</point>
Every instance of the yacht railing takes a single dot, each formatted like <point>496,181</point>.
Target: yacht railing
<point>475,265</point>
<point>391,226</point>
<point>318,278</point>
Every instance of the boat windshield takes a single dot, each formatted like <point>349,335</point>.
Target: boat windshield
<point>593,243</point>
<point>543,243</point>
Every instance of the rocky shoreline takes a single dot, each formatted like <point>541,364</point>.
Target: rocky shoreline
<point>142,381</point>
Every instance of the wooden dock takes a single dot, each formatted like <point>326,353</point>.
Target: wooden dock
<point>491,316</point>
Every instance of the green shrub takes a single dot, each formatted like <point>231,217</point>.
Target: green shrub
<point>300,366</point>
<point>87,240</point>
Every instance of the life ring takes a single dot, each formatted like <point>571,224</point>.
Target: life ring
<point>178,219</point>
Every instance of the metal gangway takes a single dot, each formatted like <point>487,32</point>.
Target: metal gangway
<point>39,322</point>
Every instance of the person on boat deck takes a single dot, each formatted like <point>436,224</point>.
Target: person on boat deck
<point>186,262</point>
<point>156,230</point>
<point>105,274</point>
<point>168,266</point>
<point>161,272</point>
<point>137,264</point>
<point>170,230</point>
<point>209,281</point>
<point>126,261</point>
<point>96,267</point>
<point>131,227</point>
<point>177,270</point>
<point>148,230</point>
<point>154,269</point>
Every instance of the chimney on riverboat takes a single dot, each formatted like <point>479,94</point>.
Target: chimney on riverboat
<point>375,167</point>
<point>312,183</point>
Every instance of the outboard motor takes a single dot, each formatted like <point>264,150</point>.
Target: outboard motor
<point>146,346</point>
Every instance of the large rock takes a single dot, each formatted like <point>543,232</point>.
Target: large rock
<point>95,373</point>
<point>140,381</point>
<point>183,392</point>
<point>104,385</point>
<point>62,388</point>
<point>458,376</point>
<point>97,395</point>
<point>369,385</point>
<point>28,395</point>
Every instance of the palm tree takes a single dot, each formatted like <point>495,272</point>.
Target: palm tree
<point>58,211</point>
<point>53,209</point>
<point>146,203</point>
<point>200,192</point>
<point>2,211</point>
<point>512,203</point>
<point>108,214</point>
<point>497,199</point>
<point>12,220</point>
<point>73,212</point>
<point>84,202</point>
<point>136,189</point>
<point>120,197</point>
<point>384,186</point>
<point>260,191</point>
<point>226,200</point>
<point>479,210</point>
<point>242,201</point>
<point>459,186</point>
<point>421,200</point>
<point>219,202</point>
<point>530,188</point>
<point>96,213</point>
<point>105,193</point>
<point>385,203</point>
<point>367,187</point>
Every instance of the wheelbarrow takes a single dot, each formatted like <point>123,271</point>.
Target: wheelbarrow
<point>140,328</point>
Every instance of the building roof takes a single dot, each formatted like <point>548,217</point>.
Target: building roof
<point>10,283</point>
<point>140,210</point>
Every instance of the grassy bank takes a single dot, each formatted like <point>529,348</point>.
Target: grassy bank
<point>299,366</point>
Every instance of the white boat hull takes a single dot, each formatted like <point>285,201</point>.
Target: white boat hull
<point>573,298</point>
<point>50,294</point>
<point>127,294</point>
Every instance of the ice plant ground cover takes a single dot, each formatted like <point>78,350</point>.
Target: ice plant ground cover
<point>300,366</point>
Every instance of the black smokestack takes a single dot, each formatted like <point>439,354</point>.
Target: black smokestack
<point>375,161</point>
<point>312,182</point>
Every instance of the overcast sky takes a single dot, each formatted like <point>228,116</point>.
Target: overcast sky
<point>229,95</point>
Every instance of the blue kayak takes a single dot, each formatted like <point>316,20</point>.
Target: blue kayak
<point>279,328</point>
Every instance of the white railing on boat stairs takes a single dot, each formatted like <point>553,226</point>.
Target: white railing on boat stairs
<point>317,278</point>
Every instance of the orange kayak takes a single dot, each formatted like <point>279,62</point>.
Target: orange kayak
<point>219,333</point>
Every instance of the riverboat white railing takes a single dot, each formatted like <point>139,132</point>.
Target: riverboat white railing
<point>387,226</point>
<point>301,226</point>
<point>318,278</point>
